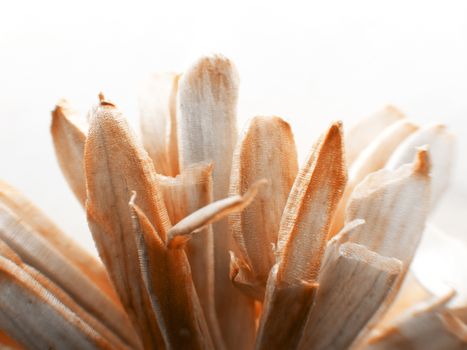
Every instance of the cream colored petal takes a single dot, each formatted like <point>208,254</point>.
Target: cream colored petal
<point>353,282</point>
<point>291,285</point>
<point>32,216</point>
<point>38,319</point>
<point>266,150</point>
<point>35,251</point>
<point>425,327</point>
<point>182,231</point>
<point>167,279</point>
<point>183,195</point>
<point>441,145</point>
<point>115,165</point>
<point>157,102</point>
<point>394,205</point>
<point>69,138</point>
<point>371,159</point>
<point>363,133</point>
<point>208,94</point>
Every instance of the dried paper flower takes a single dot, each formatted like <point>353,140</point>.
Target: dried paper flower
<point>206,242</point>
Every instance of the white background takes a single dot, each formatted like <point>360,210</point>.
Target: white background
<point>310,62</point>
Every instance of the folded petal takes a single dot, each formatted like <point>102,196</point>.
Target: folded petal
<point>266,150</point>
<point>115,165</point>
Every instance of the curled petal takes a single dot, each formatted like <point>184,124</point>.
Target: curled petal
<point>182,231</point>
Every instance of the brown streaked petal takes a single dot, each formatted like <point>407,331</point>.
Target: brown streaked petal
<point>182,231</point>
<point>81,259</point>
<point>68,139</point>
<point>427,326</point>
<point>266,150</point>
<point>371,159</point>
<point>441,144</point>
<point>37,319</point>
<point>291,286</point>
<point>157,102</point>
<point>309,209</point>
<point>115,165</point>
<point>35,251</point>
<point>167,279</point>
<point>352,284</point>
<point>183,195</point>
<point>208,94</point>
<point>363,133</point>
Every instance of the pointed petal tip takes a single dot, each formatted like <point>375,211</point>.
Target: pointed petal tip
<point>336,127</point>
<point>103,101</point>
<point>422,162</point>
